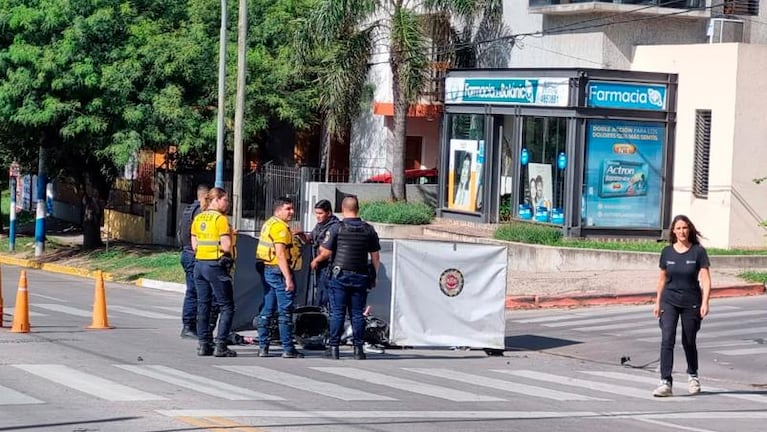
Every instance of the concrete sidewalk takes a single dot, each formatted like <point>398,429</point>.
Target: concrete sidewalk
<point>575,288</point>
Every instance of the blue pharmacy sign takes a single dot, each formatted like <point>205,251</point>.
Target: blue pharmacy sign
<point>620,95</point>
<point>624,167</point>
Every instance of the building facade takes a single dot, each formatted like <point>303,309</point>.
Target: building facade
<point>714,48</point>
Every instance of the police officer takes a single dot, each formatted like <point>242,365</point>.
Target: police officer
<point>348,244</point>
<point>323,213</point>
<point>212,242</point>
<point>278,255</point>
<point>184,237</point>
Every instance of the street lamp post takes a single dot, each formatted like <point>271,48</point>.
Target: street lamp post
<point>221,105</point>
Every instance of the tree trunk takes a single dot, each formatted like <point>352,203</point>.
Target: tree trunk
<point>400,127</point>
<point>92,218</point>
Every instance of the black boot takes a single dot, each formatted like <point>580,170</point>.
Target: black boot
<point>294,353</point>
<point>223,351</point>
<point>205,349</point>
<point>359,353</point>
<point>331,352</point>
<point>189,331</point>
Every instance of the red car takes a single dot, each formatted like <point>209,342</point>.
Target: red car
<point>412,176</point>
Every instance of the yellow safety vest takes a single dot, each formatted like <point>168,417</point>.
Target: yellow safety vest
<point>208,227</point>
<point>275,230</point>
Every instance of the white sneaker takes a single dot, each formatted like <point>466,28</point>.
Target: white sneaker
<point>374,349</point>
<point>664,390</point>
<point>693,385</point>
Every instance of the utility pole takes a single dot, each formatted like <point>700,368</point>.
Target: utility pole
<point>40,214</point>
<point>221,95</point>
<point>239,112</point>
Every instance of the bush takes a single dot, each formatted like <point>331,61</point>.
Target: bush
<point>529,233</point>
<point>399,212</point>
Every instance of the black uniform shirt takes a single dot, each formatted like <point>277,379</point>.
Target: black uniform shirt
<point>682,287</point>
<point>318,236</point>
<point>331,235</point>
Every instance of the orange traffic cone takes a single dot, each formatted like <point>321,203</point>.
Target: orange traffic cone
<point>21,313</point>
<point>100,320</point>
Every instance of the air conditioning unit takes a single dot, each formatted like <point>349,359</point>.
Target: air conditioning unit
<point>724,30</point>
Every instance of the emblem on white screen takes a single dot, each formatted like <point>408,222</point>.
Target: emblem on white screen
<point>451,282</point>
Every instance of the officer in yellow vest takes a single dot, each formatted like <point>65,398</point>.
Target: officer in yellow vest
<point>278,256</point>
<point>212,243</point>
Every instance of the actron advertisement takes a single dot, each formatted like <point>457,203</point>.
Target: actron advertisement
<point>624,162</point>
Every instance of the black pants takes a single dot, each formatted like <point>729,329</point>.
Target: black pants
<point>669,317</point>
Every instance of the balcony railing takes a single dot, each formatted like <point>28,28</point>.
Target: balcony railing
<point>674,4</point>
<point>740,7</point>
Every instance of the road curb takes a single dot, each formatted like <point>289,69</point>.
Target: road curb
<point>564,301</point>
<point>53,268</point>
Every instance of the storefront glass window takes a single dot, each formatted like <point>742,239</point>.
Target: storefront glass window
<point>508,158</point>
<point>623,174</point>
<point>542,182</point>
<point>466,152</point>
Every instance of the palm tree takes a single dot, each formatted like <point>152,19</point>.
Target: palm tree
<point>346,34</point>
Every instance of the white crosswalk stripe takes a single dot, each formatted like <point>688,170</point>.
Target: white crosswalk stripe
<point>141,313</point>
<point>10,311</point>
<point>612,319</point>
<point>600,386</point>
<point>63,309</point>
<point>510,386</point>
<point>12,397</point>
<point>654,381</point>
<point>407,385</point>
<point>306,384</point>
<point>87,383</point>
<point>744,351</point>
<point>196,383</point>
<point>609,314</point>
<point>588,384</point>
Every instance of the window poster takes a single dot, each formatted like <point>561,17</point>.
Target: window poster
<point>624,166</point>
<point>466,160</point>
<point>539,176</point>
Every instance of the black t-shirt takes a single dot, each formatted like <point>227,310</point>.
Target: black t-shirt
<point>682,287</point>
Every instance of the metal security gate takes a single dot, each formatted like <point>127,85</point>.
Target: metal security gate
<point>263,186</point>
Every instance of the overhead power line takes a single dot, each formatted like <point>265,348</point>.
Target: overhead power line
<point>566,28</point>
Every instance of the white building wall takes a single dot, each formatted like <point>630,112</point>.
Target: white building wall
<point>724,79</point>
<point>749,203</point>
<point>369,146</point>
<point>588,43</point>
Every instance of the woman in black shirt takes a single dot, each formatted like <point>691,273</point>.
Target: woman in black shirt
<point>683,289</point>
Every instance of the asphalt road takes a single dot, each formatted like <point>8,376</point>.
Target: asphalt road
<point>558,374</point>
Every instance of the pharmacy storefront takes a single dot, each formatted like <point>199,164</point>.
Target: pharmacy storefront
<point>587,150</point>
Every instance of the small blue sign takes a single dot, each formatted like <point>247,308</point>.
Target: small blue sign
<point>525,157</point>
<point>608,94</point>
<point>525,212</point>
<point>562,161</point>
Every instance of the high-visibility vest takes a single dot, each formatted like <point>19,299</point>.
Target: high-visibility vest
<point>275,230</point>
<point>208,227</point>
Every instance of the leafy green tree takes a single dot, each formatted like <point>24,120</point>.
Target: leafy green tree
<point>93,81</point>
<point>345,34</point>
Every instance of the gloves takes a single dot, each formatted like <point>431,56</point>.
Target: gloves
<point>226,262</point>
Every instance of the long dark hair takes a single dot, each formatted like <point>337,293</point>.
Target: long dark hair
<point>694,236</point>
